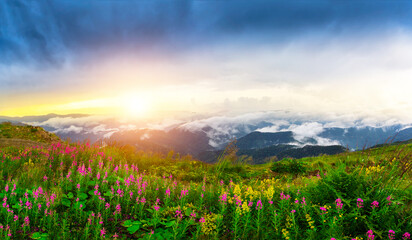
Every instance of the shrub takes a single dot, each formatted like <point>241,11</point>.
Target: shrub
<point>288,165</point>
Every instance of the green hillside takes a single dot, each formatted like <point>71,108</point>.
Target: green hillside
<point>24,135</point>
<point>82,191</point>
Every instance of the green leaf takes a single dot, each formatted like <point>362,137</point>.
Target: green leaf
<point>82,196</point>
<point>169,224</point>
<point>188,212</point>
<point>77,205</point>
<point>16,206</point>
<point>70,195</point>
<point>36,235</point>
<point>108,194</point>
<point>133,228</point>
<point>66,202</point>
<point>91,183</point>
<point>159,236</point>
<point>127,223</point>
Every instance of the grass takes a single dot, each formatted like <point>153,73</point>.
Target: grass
<point>82,191</point>
<point>24,135</point>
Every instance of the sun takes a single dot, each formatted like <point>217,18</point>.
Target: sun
<point>135,106</point>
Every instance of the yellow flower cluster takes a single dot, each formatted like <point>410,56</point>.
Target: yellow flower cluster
<point>310,221</point>
<point>29,163</point>
<point>245,207</point>
<point>209,226</point>
<point>285,233</point>
<point>252,195</point>
<point>229,199</point>
<point>237,191</point>
<point>269,192</point>
<point>289,223</point>
<point>373,169</point>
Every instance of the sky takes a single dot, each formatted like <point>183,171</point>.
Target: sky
<point>155,59</point>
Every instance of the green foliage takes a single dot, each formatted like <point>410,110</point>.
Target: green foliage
<point>288,165</point>
<point>78,191</point>
<point>339,184</point>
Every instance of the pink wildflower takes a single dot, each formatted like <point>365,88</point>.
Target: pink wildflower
<point>406,236</point>
<point>283,196</point>
<point>118,209</point>
<point>293,211</point>
<point>339,203</point>
<point>391,234</point>
<point>259,204</point>
<point>370,235</point>
<point>375,204</point>
<point>223,198</point>
<point>202,220</point>
<point>26,221</point>
<point>102,232</point>
<point>179,214</point>
<point>389,199</point>
<point>359,203</point>
<point>303,201</point>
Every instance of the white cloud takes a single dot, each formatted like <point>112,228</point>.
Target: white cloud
<point>102,129</point>
<point>59,122</point>
<point>326,142</point>
<point>109,134</point>
<point>72,128</point>
<point>145,136</point>
<point>306,130</point>
<point>165,124</point>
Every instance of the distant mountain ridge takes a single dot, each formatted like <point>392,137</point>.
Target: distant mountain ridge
<point>209,134</point>
<point>260,140</point>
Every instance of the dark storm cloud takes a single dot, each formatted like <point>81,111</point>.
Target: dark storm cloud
<point>51,32</point>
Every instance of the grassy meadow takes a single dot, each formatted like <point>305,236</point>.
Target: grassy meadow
<point>83,191</point>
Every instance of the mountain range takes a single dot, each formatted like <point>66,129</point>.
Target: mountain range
<point>260,136</point>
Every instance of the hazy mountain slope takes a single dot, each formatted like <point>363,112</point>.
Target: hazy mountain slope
<point>361,137</point>
<point>280,151</point>
<point>182,141</point>
<point>260,140</point>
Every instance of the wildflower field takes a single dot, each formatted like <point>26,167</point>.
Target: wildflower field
<point>82,191</point>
